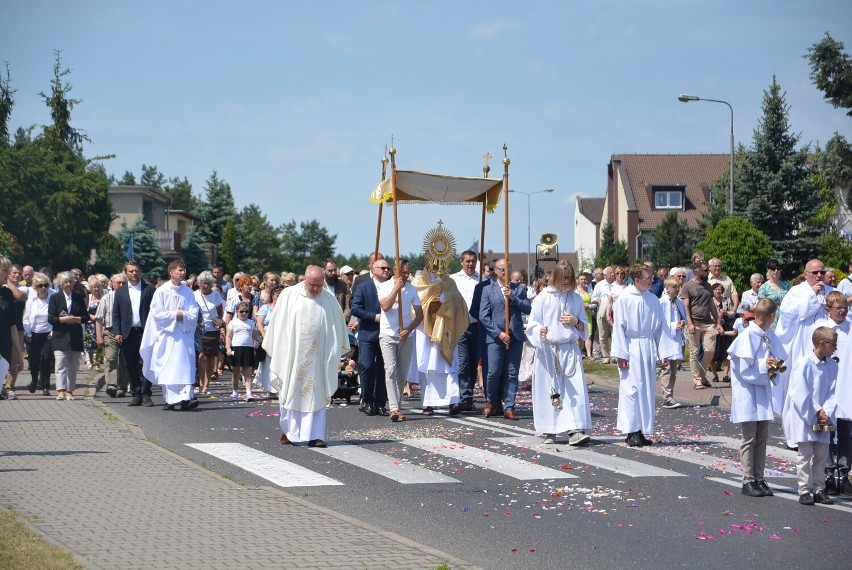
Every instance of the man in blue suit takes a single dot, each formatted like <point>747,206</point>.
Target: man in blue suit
<point>487,278</point>
<point>504,350</point>
<point>365,306</point>
<point>129,313</point>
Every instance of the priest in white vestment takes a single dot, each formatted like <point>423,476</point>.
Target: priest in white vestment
<point>167,348</point>
<point>304,341</point>
<point>640,338</point>
<point>560,397</point>
<point>436,352</point>
<point>802,306</point>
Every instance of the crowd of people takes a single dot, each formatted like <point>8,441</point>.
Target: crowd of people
<point>402,332</point>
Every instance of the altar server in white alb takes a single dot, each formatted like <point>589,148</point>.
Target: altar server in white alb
<point>168,343</point>
<point>802,306</point>
<point>753,354</point>
<point>640,338</point>
<point>808,409</point>
<point>559,395</point>
<point>304,342</point>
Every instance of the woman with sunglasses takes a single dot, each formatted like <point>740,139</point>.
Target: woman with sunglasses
<point>773,288</point>
<point>37,333</point>
<point>239,345</point>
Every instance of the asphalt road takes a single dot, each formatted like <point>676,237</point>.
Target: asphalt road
<point>676,504</point>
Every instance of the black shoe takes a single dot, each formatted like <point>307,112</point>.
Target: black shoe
<point>806,499</point>
<point>455,409</point>
<point>633,440</point>
<point>135,401</point>
<point>383,412</point>
<point>645,440</point>
<point>112,391</point>
<point>45,392</point>
<point>752,489</point>
<point>767,491</point>
<point>370,410</point>
<point>168,407</point>
<point>32,387</point>
<point>822,498</point>
<point>187,405</point>
<point>147,402</point>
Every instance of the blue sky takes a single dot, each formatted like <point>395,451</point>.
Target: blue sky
<point>293,102</point>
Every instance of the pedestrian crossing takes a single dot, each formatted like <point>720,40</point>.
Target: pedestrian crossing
<point>446,461</point>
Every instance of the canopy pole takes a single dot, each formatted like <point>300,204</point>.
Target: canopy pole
<point>397,268</point>
<point>485,170</point>
<point>379,223</point>
<point>506,230</point>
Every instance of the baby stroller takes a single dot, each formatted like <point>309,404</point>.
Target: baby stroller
<point>347,373</point>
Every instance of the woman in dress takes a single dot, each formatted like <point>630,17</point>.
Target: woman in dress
<point>239,345</point>
<point>774,288</point>
<point>583,292</point>
<point>211,306</point>
<point>264,315</point>
<point>727,317</point>
<point>37,333</point>
<point>557,322</point>
<point>94,355</point>
<point>66,311</point>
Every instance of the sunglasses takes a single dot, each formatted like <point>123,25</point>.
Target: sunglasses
<point>820,272</point>
<point>43,286</point>
<point>242,312</point>
<point>385,268</point>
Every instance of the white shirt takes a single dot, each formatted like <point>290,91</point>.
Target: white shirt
<point>389,323</point>
<point>135,292</point>
<point>35,317</point>
<point>466,285</point>
<point>243,332</point>
<point>602,289</point>
<point>207,305</point>
<point>845,286</point>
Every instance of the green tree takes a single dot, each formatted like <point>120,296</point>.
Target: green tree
<point>740,246</point>
<point>110,257</point>
<point>146,252</point>
<point>258,243</point>
<point>128,179</point>
<point>831,72</point>
<point>218,208</point>
<point>60,132</point>
<point>611,252</point>
<point>7,101</point>
<point>229,248</point>
<point>308,244</point>
<point>672,245</point>
<point>783,198</point>
<point>193,252</point>
<point>152,178</point>
<point>8,246</point>
<point>835,165</point>
<point>180,192</point>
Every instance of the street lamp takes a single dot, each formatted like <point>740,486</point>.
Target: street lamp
<point>528,194</point>
<point>686,99</point>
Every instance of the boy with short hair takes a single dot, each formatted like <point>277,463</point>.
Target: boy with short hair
<point>809,408</point>
<point>675,314</point>
<point>752,354</point>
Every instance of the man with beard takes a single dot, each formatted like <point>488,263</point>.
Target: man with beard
<point>702,320</point>
<point>304,340</point>
<point>337,287</point>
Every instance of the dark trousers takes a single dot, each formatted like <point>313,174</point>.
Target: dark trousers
<point>841,445</point>
<point>502,381</point>
<point>133,363</point>
<point>373,388</point>
<point>468,361</point>
<point>40,356</point>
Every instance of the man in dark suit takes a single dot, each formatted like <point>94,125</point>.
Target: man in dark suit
<point>488,275</point>
<point>504,350</point>
<point>129,313</point>
<point>366,308</point>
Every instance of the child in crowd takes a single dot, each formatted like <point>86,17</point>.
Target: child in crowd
<point>675,314</point>
<point>240,340</point>
<point>808,409</point>
<point>751,355</point>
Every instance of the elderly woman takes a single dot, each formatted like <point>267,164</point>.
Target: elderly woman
<point>37,333</point>
<point>94,356</point>
<point>289,279</point>
<point>212,307</point>
<point>66,311</point>
<point>774,288</point>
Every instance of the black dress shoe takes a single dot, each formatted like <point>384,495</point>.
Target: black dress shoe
<point>45,392</point>
<point>147,402</point>
<point>168,407</point>
<point>135,401</point>
<point>806,499</point>
<point>645,440</point>
<point>752,489</point>
<point>187,405</point>
<point>633,440</point>
<point>383,412</point>
<point>369,410</point>
<point>455,409</point>
<point>767,491</point>
<point>112,391</point>
<point>31,387</point>
<point>823,498</point>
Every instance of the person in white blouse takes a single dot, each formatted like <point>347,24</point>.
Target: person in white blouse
<point>37,333</point>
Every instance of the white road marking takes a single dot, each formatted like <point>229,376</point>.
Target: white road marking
<point>511,466</point>
<point>791,493</point>
<point>589,457</point>
<point>273,469</point>
<point>399,471</point>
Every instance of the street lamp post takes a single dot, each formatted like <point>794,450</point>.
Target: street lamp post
<point>528,194</point>
<point>686,99</point>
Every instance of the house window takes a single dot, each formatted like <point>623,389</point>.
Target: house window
<point>668,198</point>
<point>148,212</point>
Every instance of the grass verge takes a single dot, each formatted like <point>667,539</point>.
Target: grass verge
<point>23,548</point>
<point>603,370</point>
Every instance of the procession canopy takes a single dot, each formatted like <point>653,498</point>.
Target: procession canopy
<point>413,187</point>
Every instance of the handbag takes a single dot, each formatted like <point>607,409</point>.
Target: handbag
<point>218,322</point>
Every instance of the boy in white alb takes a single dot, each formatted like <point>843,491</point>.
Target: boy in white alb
<point>675,314</point>
<point>810,404</point>
<point>752,354</point>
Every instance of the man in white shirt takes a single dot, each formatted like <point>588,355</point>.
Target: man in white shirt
<point>845,285</point>
<point>116,374</point>
<point>716,276</point>
<point>601,295</point>
<point>395,338</point>
<point>467,279</point>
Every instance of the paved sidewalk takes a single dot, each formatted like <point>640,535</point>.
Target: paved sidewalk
<point>91,483</point>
